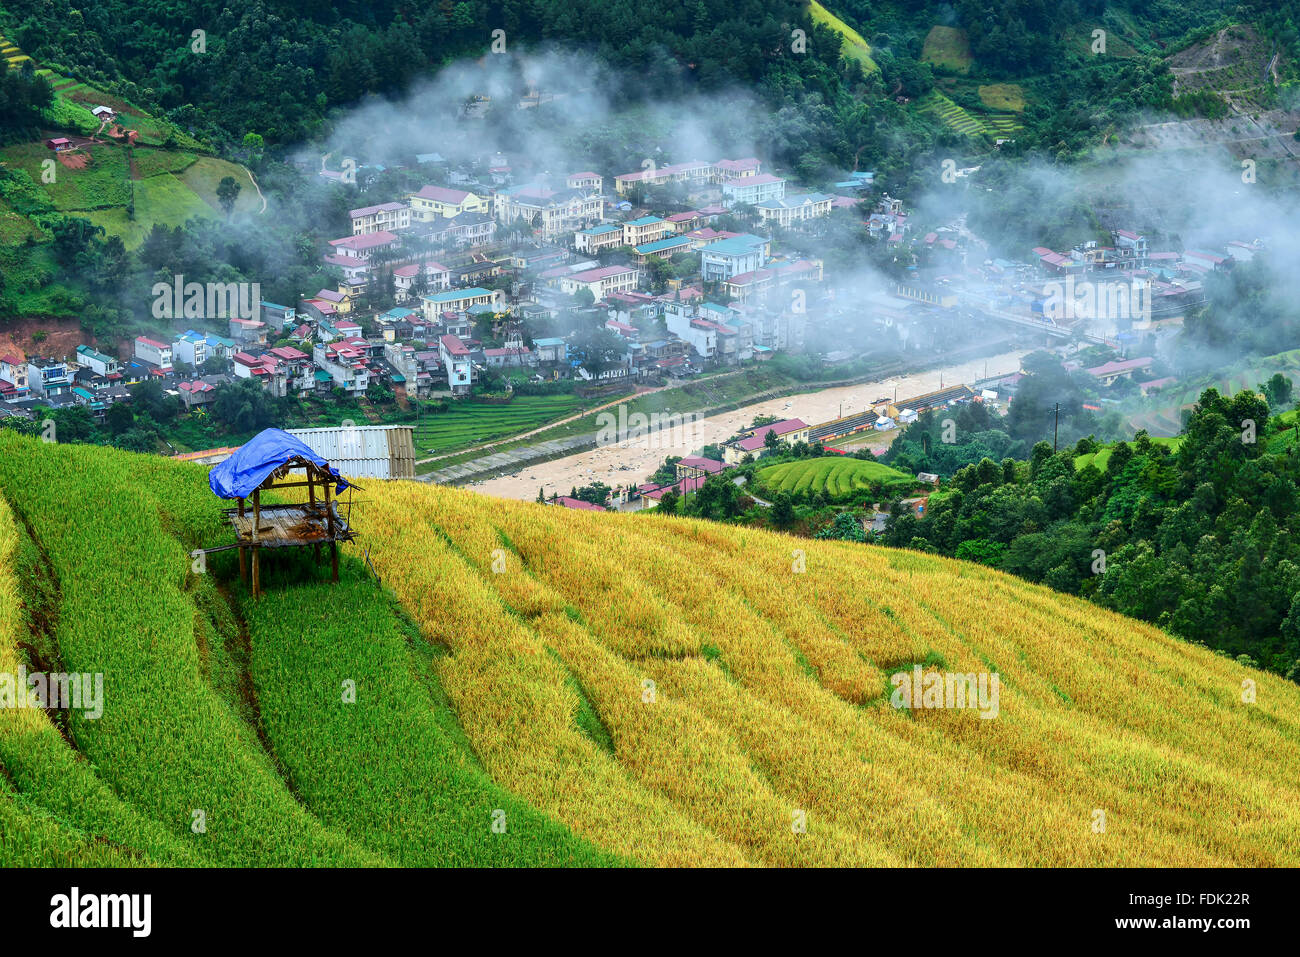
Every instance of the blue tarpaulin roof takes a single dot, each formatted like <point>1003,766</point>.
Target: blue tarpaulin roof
<point>248,468</point>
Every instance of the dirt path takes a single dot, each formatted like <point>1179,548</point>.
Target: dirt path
<point>253,179</point>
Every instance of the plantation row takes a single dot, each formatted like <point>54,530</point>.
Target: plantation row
<point>602,688</point>
<point>384,780</point>
<point>769,696</point>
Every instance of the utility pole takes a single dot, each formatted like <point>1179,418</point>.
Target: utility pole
<point>1057,427</point>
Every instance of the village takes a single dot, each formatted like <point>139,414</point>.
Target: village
<point>474,285</point>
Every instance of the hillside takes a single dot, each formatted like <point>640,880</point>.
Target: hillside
<point>505,666</point>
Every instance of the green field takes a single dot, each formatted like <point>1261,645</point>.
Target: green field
<point>854,47</point>
<point>1101,457</point>
<point>1003,96</point>
<point>836,476</point>
<point>468,423</point>
<point>162,200</point>
<point>949,47</point>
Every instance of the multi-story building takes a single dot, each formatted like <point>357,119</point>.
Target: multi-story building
<point>600,282</point>
<point>434,202</point>
<point>552,212</point>
<point>459,300</point>
<point>13,374</point>
<point>385,216</point>
<point>729,257</point>
<point>586,181</point>
<point>794,209</point>
<point>646,229</point>
<point>752,190</point>
<point>362,247</point>
<point>96,362</point>
<point>596,238</point>
<point>153,352</point>
<point>344,364</point>
<point>456,362</point>
<point>191,348</point>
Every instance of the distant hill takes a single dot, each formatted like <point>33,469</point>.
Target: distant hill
<point>607,688</point>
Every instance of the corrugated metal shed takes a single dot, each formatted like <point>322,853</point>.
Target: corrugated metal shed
<point>365,451</point>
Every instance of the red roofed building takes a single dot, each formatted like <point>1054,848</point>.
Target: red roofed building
<point>754,441</point>
<point>577,503</point>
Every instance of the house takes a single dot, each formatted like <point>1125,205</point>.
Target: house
<point>103,112</point>
<point>362,247</point>
<point>456,362</point>
<point>88,358</point>
<point>435,275</point>
<point>752,190</point>
<point>1108,372</point>
<point>278,316</point>
<point>662,249</point>
<point>513,356</point>
<point>685,222</point>
<point>568,502</point>
<point>596,238</point>
<point>693,466</point>
<point>247,331</point>
<point>341,365</point>
<point>550,350</point>
<point>48,377</point>
<point>198,392</point>
<point>384,217</point>
<point>13,376</point>
<point>552,212</point>
<point>153,352</point>
<point>730,257</point>
<point>754,441</point>
<point>586,181</point>
<point>646,229</point>
<point>459,300</point>
<point>794,209</point>
<point>434,202</point>
<point>191,348</point>
<point>600,282</point>
<point>59,144</point>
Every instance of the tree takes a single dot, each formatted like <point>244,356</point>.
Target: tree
<point>783,510</point>
<point>227,193</point>
<point>244,406</point>
<point>118,418</point>
<point>668,502</point>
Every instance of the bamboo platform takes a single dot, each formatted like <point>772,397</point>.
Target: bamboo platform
<point>281,526</point>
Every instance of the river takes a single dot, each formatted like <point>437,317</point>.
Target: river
<point>622,466</point>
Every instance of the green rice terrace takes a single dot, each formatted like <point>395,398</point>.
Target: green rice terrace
<point>836,477</point>
<point>963,121</point>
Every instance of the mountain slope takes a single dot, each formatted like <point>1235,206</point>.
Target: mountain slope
<point>524,689</point>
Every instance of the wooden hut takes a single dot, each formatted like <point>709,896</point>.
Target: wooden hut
<point>275,461</point>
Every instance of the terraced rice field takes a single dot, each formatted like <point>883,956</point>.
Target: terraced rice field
<point>468,423</point>
<point>836,476</point>
<point>535,685</point>
<point>967,123</point>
